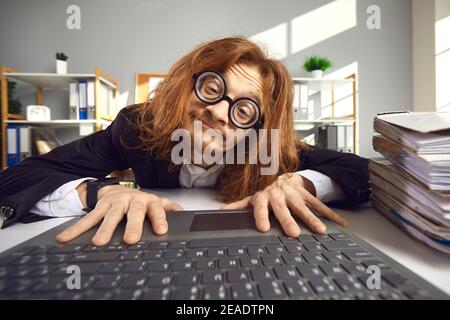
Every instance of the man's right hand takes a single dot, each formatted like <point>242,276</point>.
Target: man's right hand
<point>115,201</point>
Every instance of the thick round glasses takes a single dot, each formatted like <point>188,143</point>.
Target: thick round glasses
<point>210,88</point>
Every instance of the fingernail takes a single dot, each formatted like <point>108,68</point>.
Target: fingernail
<point>320,228</point>
<point>264,225</point>
<point>162,228</point>
<point>292,230</point>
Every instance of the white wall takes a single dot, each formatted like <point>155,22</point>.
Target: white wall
<point>123,37</point>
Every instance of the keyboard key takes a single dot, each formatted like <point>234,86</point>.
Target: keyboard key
<point>286,273</point>
<point>275,249</point>
<point>313,258</point>
<point>156,294</point>
<point>131,255</point>
<point>297,288</point>
<point>313,246</point>
<point>116,246</point>
<point>236,251</point>
<point>262,274</point>
<point>294,248</point>
<point>216,252</point>
<point>160,245</point>
<point>219,292</point>
<point>227,263</point>
<point>256,250</point>
<point>108,282</point>
<point>306,238</point>
<point>340,245</point>
<point>338,236</point>
<point>205,264</point>
<point>322,238</point>
<point>182,265</point>
<point>178,244</point>
<point>196,253</point>
<point>135,267</point>
<point>348,284</point>
<point>235,276</point>
<point>187,293</point>
<point>375,262</point>
<point>357,255</point>
<point>114,267</point>
<point>390,295</point>
<point>353,268</point>
<point>243,291</point>
<point>153,255</point>
<point>174,254</point>
<point>238,241</point>
<point>288,240</point>
<point>160,280</point>
<point>271,260</point>
<point>293,259</point>
<point>141,245</point>
<point>133,281</point>
<point>309,271</point>
<point>94,257</point>
<point>270,290</point>
<point>332,270</point>
<point>212,277</point>
<point>334,256</point>
<point>158,266</point>
<point>323,286</point>
<point>251,261</point>
<point>66,248</point>
<point>187,278</point>
<point>126,294</point>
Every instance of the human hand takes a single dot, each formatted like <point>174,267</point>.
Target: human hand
<point>115,201</point>
<point>287,195</point>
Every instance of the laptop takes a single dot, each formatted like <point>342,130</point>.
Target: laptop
<point>211,255</point>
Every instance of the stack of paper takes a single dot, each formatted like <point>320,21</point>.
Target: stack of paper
<point>411,186</point>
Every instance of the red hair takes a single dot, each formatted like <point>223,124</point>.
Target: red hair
<point>161,115</point>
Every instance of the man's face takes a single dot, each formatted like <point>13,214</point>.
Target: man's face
<point>242,82</point>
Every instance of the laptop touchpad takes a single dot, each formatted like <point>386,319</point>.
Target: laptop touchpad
<point>223,221</point>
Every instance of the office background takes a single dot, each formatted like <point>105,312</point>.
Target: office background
<point>124,37</point>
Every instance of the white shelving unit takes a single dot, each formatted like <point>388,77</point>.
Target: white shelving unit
<point>104,112</point>
<point>325,84</point>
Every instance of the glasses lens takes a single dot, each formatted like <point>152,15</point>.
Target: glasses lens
<point>245,113</point>
<point>210,87</point>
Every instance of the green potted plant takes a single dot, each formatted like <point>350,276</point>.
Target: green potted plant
<point>317,65</point>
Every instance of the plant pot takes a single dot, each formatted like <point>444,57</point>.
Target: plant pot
<point>317,74</point>
<point>61,67</point>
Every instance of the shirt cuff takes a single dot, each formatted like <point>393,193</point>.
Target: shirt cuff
<point>63,202</point>
<point>326,189</point>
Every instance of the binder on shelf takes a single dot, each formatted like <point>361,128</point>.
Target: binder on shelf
<point>82,95</point>
<point>12,145</point>
<point>25,142</point>
<point>73,101</point>
<point>91,100</point>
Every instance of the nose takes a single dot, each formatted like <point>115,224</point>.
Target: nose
<point>219,112</point>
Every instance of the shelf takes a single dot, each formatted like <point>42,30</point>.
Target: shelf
<point>52,122</point>
<point>54,80</point>
<point>322,84</point>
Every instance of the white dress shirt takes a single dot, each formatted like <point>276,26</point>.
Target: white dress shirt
<point>65,202</point>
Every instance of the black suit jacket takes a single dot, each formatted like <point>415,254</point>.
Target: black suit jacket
<point>96,155</point>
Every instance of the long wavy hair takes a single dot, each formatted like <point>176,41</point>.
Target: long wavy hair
<point>159,116</point>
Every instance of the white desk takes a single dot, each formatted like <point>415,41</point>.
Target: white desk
<point>365,223</point>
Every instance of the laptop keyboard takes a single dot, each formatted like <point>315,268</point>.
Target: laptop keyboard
<point>328,266</point>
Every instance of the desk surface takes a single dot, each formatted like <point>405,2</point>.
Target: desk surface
<point>364,222</point>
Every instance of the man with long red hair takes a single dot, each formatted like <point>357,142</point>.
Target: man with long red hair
<point>222,85</point>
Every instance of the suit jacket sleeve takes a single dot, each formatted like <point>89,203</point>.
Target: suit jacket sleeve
<point>349,171</point>
<point>23,185</point>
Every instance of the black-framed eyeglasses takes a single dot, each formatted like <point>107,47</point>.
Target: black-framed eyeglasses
<point>210,88</point>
